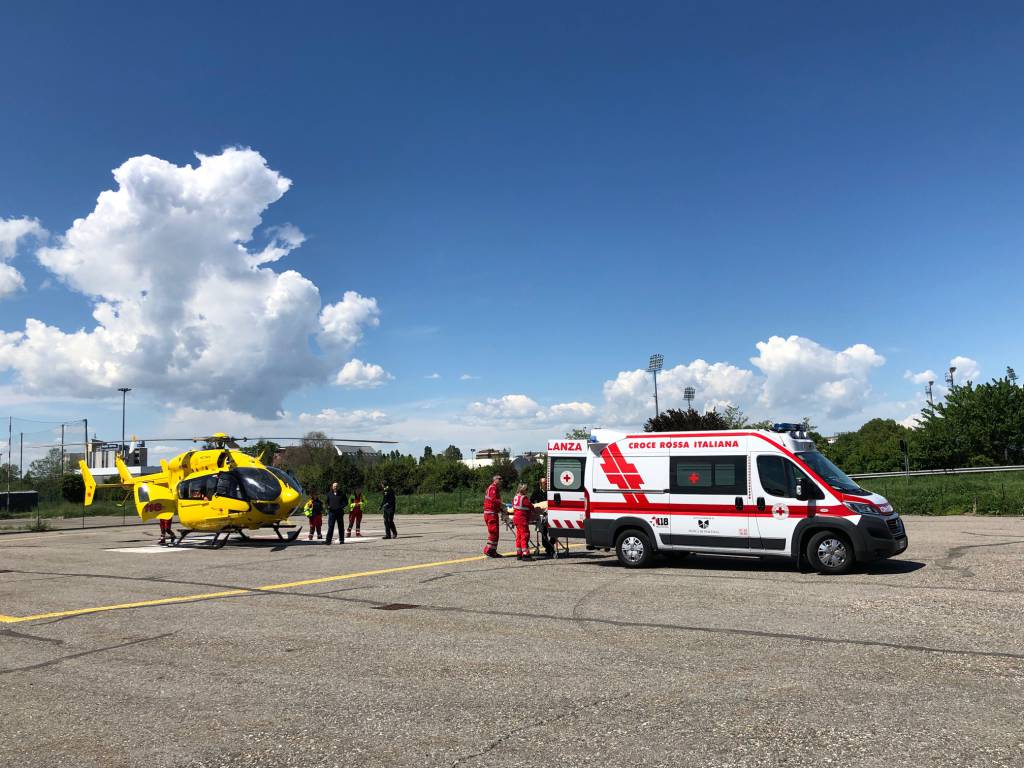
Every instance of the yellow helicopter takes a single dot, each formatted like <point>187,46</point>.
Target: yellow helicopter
<point>217,489</point>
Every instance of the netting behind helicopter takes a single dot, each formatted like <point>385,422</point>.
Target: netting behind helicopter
<point>40,487</point>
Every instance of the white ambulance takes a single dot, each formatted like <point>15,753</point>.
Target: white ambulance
<point>743,492</point>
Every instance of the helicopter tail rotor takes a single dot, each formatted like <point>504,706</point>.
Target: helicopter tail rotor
<point>90,483</point>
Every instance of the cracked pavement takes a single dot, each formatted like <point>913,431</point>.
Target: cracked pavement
<point>917,661</point>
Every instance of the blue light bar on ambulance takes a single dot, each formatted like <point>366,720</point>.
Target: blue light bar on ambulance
<point>787,427</point>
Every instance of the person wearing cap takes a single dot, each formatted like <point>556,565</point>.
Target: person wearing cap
<point>521,509</point>
<point>492,506</point>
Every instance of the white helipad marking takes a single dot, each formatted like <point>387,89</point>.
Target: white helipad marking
<point>153,549</point>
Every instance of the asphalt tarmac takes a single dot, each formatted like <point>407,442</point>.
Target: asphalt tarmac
<point>417,652</point>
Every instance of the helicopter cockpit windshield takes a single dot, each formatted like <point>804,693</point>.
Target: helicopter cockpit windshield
<point>287,479</point>
<point>259,484</point>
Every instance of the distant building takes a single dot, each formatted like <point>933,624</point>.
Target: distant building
<point>485,457</point>
<point>100,454</point>
<point>488,456</point>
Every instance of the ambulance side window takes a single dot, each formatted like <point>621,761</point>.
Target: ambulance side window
<point>779,476</point>
<point>774,479</point>
<point>708,474</point>
<point>567,474</point>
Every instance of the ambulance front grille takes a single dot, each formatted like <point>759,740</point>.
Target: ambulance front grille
<point>895,525</point>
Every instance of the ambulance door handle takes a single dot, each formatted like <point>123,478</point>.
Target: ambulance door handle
<point>760,503</point>
<point>739,503</point>
<point>558,498</point>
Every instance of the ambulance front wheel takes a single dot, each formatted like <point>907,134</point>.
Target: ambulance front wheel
<point>634,549</point>
<point>830,553</point>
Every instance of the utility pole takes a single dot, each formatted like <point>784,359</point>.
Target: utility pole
<point>124,394</point>
<point>62,451</point>
<point>21,456</point>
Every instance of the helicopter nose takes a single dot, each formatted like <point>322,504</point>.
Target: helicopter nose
<point>289,495</point>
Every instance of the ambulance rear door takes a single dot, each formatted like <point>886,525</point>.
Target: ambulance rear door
<point>631,480</point>
<point>567,467</point>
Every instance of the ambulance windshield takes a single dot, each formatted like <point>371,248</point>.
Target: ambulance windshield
<point>829,472</point>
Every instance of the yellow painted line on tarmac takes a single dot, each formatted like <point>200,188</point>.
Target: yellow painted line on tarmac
<point>235,592</point>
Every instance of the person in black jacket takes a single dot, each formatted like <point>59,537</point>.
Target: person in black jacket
<point>387,506</point>
<point>336,504</point>
<point>539,495</point>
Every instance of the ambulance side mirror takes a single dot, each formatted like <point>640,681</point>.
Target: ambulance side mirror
<point>801,490</point>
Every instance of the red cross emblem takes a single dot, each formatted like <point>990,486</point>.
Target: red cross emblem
<point>566,478</point>
<point>694,478</point>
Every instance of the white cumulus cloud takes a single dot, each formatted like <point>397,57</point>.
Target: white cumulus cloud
<point>342,323</point>
<point>629,397</point>
<point>521,410</point>
<point>920,378</point>
<point>356,374</point>
<point>182,307</point>
<point>966,369</point>
<point>801,375</point>
<point>11,231</point>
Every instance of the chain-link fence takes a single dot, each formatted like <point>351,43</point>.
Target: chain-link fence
<point>40,488</point>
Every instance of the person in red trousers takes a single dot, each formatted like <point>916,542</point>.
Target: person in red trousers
<point>355,513</point>
<point>521,509</point>
<point>492,506</point>
<point>165,531</point>
<point>315,512</point>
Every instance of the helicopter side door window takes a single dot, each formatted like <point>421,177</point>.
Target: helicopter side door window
<point>229,486</point>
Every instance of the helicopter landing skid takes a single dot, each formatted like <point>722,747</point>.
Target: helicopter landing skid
<point>291,536</point>
<point>220,538</point>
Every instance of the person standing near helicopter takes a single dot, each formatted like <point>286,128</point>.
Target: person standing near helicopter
<point>355,513</point>
<point>336,503</point>
<point>314,510</point>
<point>387,506</point>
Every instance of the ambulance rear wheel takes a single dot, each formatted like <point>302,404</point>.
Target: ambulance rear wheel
<point>830,552</point>
<point>634,549</point>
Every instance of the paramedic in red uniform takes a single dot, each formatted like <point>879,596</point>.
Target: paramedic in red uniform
<point>492,506</point>
<point>521,509</point>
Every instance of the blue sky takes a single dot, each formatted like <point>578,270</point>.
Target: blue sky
<point>536,196</point>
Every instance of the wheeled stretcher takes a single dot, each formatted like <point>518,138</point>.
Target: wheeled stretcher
<point>538,526</point>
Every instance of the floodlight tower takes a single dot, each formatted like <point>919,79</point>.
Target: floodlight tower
<point>949,376</point>
<point>655,364</point>
<point>688,394</point>
<point>124,394</point>
<point>928,391</point>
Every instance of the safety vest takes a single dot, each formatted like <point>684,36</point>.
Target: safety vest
<point>521,503</point>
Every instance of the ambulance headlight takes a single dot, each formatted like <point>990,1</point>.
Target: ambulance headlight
<point>862,509</point>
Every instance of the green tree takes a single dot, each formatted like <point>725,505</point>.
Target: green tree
<point>452,453</point>
<point>577,433</point>
<point>675,420</point>
<point>8,473</point>
<point>73,488</point>
<point>977,425</point>
<point>532,474</point>
<point>501,466</point>
<point>265,448</point>
<point>875,447</point>
<point>428,454</point>
<point>733,417</point>
<point>445,475</point>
